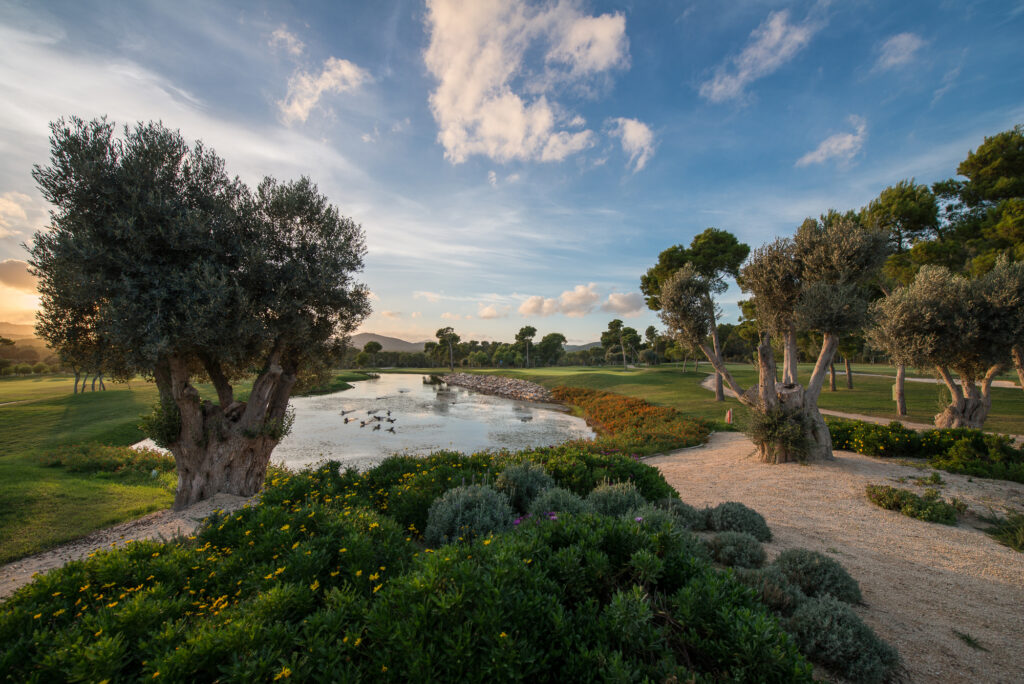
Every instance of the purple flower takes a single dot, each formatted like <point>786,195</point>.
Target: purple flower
<point>638,519</point>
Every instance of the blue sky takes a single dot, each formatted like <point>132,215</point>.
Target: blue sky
<point>521,163</point>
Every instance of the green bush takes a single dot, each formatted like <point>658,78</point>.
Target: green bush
<point>955,450</point>
<point>779,430</point>
<point>686,515</point>
<point>615,499</point>
<point>830,633</point>
<point>733,516</point>
<point>930,507</point>
<point>96,458</point>
<point>581,466</point>
<point>652,516</point>
<point>817,575</point>
<point>772,588</point>
<point>522,483</point>
<point>737,550</point>
<point>162,424</point>
<point>465,513</point>
<point>1008,531</point>
<point>558,500</point>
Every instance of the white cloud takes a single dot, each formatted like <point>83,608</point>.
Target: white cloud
<point>478,53</point>
<point>492,178</point>
<point>416,314</point>
<point>841,145</point>
<point>574,303</point>
<point>371,137</point>
<point>898,50</point>
<point>772,44</point>
<point>490,311</point>
<point>14,274</point>
<point>432,297</point>
<point>449,316</point>
<point>625,303</point>
<point>637,140</point>
<point>393,315</point>
<point>400,126</point>
<point>305,89</point>
<point>281,37</point>
<point>948,81</point>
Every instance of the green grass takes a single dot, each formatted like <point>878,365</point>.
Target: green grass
<point>42,507</point>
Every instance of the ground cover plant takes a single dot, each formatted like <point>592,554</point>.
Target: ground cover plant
<point>1008,531</point>
<point>326,577</point>
<point>955,450</point>
<point>626,422</point>
<point>929,507</point>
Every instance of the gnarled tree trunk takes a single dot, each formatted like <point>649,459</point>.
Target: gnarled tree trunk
<point>970,404</point>
<point>1018,362</point>
<point>790,356</point>
<point>719,390</point>
<point>224,447</point>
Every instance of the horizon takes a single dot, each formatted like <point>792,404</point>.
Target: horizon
<point>524,163</point>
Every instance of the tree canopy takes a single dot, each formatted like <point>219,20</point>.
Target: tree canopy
<point>713,253</point>
<point>166,265</point>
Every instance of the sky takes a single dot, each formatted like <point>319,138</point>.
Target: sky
<point>516,162</point>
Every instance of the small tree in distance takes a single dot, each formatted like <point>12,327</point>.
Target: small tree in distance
<point>371,348</point>
<point>448,337</point>
<point>182,273</point>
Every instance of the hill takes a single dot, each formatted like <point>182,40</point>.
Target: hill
<point>581,347</point>
<point>17,331</point>
<point>390,344</point>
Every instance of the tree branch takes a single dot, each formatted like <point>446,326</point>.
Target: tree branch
<point>766,369</point>
<point>1018,362</point>
<point>954,391</point>
<point>817,381</point>
<point>990,375</point>
<point>717,364</point>
<point>225,394</point>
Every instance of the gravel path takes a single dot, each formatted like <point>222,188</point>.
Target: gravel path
<point>921,581</point>
<point>160,525</point>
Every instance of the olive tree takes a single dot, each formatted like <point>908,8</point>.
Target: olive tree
<point>956,325</point>
<point>815,281</point>
<point>180,272</point>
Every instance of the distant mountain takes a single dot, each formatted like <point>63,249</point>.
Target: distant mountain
<point>581,347</point>
<point>17,330</point>
<point>390,344</point>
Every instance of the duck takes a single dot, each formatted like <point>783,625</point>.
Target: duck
<point>391,430</point>
<point>377,426</point>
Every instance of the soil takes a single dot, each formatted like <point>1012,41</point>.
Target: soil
<point>162,525</point>
<point>922,582</point>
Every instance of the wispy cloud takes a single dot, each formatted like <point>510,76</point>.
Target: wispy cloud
<point>283,38</point>
<point>306,89</point>
<point>492,311</point>
<point>948,81</point>
<point>772,44</point>
<point>488,103</point>
<point>898,51</point>
<point>839,146</point>
<point>637,141</point>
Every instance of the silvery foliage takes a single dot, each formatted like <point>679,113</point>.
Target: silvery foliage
<point>817,279</point>
<point>946,320</point>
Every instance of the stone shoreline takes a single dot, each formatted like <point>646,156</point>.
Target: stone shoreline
<point>510,388</point>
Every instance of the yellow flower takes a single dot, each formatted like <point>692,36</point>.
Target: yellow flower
<point>486,542</point>
<point>37,616</point>
<point>315,585</point>
<point>358,573</point>
<point>156,554</point>
<point>285,528</point>
<point>377,588</point>
<point>283,674</point>
<point>503,635</point>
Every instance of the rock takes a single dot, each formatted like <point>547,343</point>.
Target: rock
<point>510,388</point>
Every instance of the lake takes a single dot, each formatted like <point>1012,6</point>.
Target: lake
<point>425,418</point>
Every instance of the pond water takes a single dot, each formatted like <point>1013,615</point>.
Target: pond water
<point>423,418</point>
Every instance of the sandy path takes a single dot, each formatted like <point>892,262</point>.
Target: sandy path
<point>920,580</point>
<point>160,525</point>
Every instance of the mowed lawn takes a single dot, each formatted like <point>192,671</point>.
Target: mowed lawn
<point>41,507</point>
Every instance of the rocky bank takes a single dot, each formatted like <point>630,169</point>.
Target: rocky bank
<point>510,388</point>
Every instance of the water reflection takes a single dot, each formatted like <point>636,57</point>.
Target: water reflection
<point>399,413</point>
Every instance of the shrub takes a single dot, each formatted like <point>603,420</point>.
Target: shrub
<point>163,423</point>
<point>109,460</point>
<point>686,515</point>
<point>652,516</point>
<point>615,499</point>
<point>558,500</point>
<point>955,450</point>
<point>772,588</point>
<point>733,516</point>
<point>1008,531</point>
<point>581,466</point>
<point>929,507</point>
<point>830,633</point>
<point>633,424</point>
<point>779,430</point>
<point>522,482</point>
<point>817,575</point>
<point>465,513</point>
<point>736,549</point>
